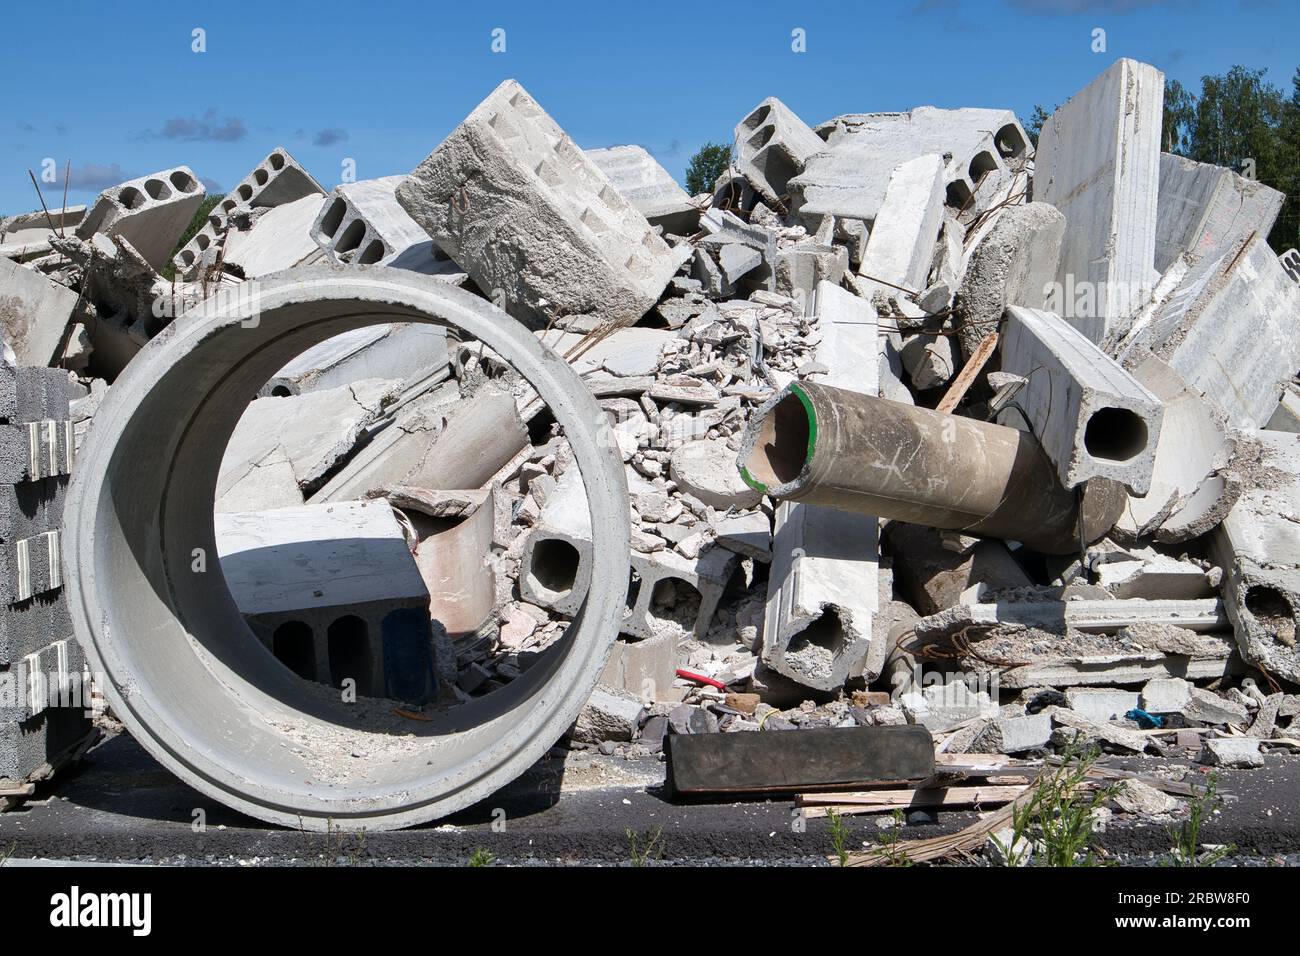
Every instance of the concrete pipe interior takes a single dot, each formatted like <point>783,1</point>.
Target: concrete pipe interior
<point>1115,434</point>
<point>179,664</point>
<point>786,437</point>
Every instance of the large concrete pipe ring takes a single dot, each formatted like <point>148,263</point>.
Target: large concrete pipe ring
<point>178,664</point>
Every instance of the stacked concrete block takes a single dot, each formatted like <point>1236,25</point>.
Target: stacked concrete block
<point>1204,210</point>
<point>1231,330</point>
<point>512,199</point>
<point>151,212</point>
<point>901,245</point>
<point>34,313</point>
<point>1098,162</point>
<point>334,593</point>
<point>275,181</point>
<point>773,146</point>
<point>363,224</point>
<point>849,178</point>
<point>42,717</point>
<point>649,187</point>
<point>1258,545</point>
<point>1092,417</point>
<point>822,589</point>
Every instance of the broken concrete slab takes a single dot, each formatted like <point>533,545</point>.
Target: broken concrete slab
<point>1190,490</point>
<point>1098,162</point>
<point>1101,704</point>
<point>535,222</point>
<point>1172,695</point>
<point>1258,546</point>
<point>649,187</point>
<point>34,313</point>
<point>1204,210</point>
<point>1092,417</point>
<point>707,470</point>
<point>278,240</point>
<point>1094,616</point>
<point>933,576</point>
<point>276,431</point>
<point>608,715</point>
<point>901,245</point>
<point>1231,330</point>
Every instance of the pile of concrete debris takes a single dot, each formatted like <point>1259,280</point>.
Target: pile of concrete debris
<point>919,426</point>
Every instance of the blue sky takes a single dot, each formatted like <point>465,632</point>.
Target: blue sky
<point>117,89</point>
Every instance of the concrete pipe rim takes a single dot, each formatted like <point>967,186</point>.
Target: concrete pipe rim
<point>779,443</point>
<point>153,631</point>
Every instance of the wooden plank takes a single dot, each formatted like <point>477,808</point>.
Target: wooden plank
<point>886,801</point>
<point>793,761</point>
<point>966,377</point>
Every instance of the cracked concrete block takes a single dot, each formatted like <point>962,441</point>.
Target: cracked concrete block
<point>334,593</point>
<point>275,181</point>
<point>707,469</point>
<point>774,145</point>
<point>649,187</point>
<point>930,360</point>
<point>1098,162</point>
<point>1092,616</point>
<point>362,223</point>
<point>1101,704</point>
<point>151,212</point>
<point>1092,417</point>
<point>34,312</point>
<point>901,245</point>
<point>1237,753</point>
<point>512,199</point>
<point>1231,330</point>
<point>1013,735</point>
<point>644,668</point>
<point>1204,210</point>
<point>933,577</point>
<point>1014,264</point>
<point>610,714</point>
<point>1258,547</point>
<point>849,178</point>
<point>1080,729</point>
<point>404,351</point>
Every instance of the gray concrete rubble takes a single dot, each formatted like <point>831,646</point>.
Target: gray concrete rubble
<point>648,187</point>
<point>1092,417</point>
<point>354,506</point>
<point>1098,162</point>
<point>561,241</point>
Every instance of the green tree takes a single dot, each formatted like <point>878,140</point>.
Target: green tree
<point>1179,116</point>
<point>1034,126</point>
<point>709,162</point>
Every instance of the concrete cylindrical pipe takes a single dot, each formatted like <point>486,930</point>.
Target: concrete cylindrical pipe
<point>858,453</point>
<point>166,641</point>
